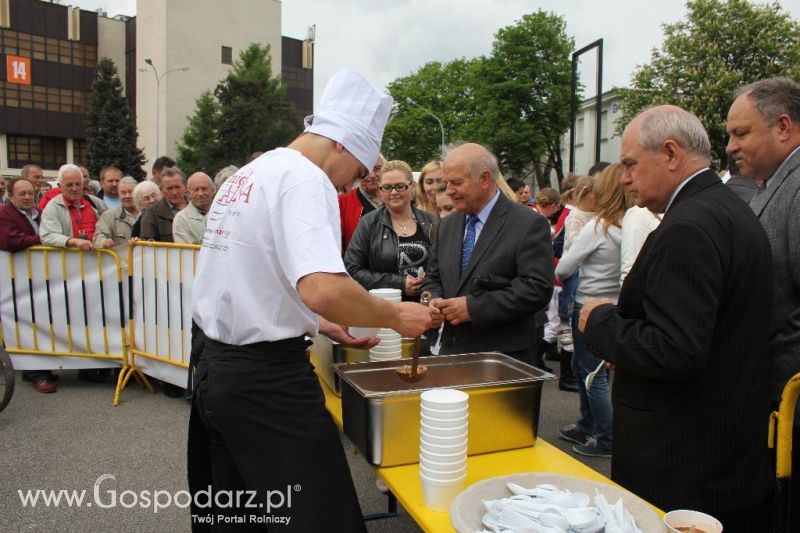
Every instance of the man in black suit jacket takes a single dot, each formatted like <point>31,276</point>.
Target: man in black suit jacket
<point>690,334</point>
<point>491,266</point>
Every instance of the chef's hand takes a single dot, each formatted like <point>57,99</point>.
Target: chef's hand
<point>437,315</point>
<point>340,334</point>
<point>455,310</point>
<point>412,319</point>
<point>588,307</point>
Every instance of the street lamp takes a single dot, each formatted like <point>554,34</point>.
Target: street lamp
<point>409,100</point>
<point>158,93</point>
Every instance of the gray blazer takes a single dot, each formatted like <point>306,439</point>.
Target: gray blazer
<point>508,279</point>
<point>778,209</point>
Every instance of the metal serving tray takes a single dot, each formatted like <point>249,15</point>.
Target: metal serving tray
<point>381,412</point>
<point>325,352</point>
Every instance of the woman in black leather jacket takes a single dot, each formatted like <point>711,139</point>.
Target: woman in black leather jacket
<point>392,243</point>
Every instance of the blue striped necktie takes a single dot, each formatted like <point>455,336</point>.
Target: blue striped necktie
<point>469,241</point>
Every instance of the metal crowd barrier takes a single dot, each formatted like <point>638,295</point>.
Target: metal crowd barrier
<point>780,438</point>
<point>160,280</point>
<point>61,308</point>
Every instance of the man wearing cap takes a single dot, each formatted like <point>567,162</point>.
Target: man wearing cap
<point>272,274</point>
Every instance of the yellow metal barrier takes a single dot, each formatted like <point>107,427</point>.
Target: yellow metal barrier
<point>160,285</point>
<point>56,313</point>
<point>781,427</point>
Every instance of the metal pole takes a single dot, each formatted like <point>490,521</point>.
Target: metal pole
<point>598,105</point>
<point>598,100</point>
<point>573,112</point>
<point>441,127</point>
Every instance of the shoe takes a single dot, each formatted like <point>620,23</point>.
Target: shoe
<point>591,449</point>
<point>568,384</point>
<point>93,375</point>
<point>381,486</point>
<point>571,433</point>
<point>53,377</point>
<point>172,391</point>
<point>44,386</point>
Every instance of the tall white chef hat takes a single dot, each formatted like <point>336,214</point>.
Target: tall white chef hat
<point>353,113</point>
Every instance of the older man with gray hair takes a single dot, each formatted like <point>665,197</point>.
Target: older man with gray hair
<point>189,224</point>
<point>157,220</point>
<point>491,267</point>
<point>70,218</point>
<point>689,334</point>
<point>116,225</point>
<point>764,128</point>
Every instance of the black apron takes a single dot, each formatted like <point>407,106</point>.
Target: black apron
<point>259,426</point>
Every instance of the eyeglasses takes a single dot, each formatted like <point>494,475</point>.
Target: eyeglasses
<point>399,187</point>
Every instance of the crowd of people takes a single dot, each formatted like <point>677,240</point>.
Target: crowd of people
<point>650,273</point>
<point>79,212</point>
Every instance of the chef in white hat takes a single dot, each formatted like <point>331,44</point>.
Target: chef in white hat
<point>269,274</point>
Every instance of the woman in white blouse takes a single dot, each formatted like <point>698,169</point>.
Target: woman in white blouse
<point>596,252</point>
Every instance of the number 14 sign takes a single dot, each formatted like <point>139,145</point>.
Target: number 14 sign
<point>18,70</point>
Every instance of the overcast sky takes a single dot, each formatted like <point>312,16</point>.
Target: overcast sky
<point>384,40</point>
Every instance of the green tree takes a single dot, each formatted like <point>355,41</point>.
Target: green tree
<point>199,147</point>
<point>524,99</point>
<point>447,90</point>
<point>111,133</point>
<point>720,46</point>
<point>254,114</point>
<point>516,101</point>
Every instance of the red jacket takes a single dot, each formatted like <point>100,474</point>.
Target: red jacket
<point>350,210</point>
<point>16,232</point>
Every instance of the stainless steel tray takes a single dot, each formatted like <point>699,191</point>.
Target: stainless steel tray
<point>381,412</point>
<point>325,352</point>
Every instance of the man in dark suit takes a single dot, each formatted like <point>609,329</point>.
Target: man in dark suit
<point>764,128</point>
<point>19,225</point>
<point>156,220</point>
<point>491,266</point>
<point>690,334</point>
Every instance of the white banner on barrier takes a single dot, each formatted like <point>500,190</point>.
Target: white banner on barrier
<point>61,301</point>
<point>162,297</point>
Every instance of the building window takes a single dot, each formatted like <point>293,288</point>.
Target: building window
<point>604,125</point>
<point>579,131</point>
<point>79,147</point>
<point>47,48</point>
<point>47,152</point>
<point>227,55</point>
<point>43,98</point>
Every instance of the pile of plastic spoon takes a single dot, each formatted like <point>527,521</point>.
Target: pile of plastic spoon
<point>548,509</point>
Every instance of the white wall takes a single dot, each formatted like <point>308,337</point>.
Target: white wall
<point>190,33</point>
<point>584,138</point>
<point>111,43</point>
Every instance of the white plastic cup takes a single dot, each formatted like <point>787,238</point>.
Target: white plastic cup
<point>386,293</point>
<point>448,467</point>
<point>359,333</point>
<point>444,398</point>
<point>386,349</point>
<point>439,495</point>
<point>686,518</point>
<point>444,422</point>
<point>387,343</point>
<point>442,475</point>
<point>439,433</point>
<point>438,413</point>
<point>457,454</point>
<point>456,447</point>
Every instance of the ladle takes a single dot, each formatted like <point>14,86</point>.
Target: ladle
<point>415,372</point>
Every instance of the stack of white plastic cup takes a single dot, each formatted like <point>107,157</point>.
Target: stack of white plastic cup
<point>391,345</point>
<point>443,445</point>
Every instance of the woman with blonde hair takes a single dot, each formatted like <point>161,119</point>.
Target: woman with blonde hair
<point>596,252</point>
<point>429,179</point>
<point>391,245</point>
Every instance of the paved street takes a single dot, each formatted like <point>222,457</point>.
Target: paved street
<point>70,439</point>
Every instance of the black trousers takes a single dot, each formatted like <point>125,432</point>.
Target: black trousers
<point>259,431</point>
